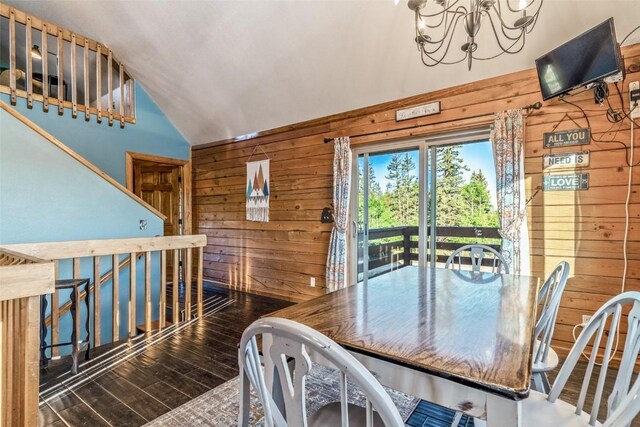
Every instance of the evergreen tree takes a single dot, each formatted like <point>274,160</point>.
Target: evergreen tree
<point>403,189</point>
<point>479,210</point>
<point>449,182</point>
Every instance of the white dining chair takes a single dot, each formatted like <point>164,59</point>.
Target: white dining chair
<point>477,253</point>
<point>287,354</point>
<point>623,403</point>
<point>545,359</point>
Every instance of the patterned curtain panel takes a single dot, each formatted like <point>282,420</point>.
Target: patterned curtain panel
<point>507,137</point>
<point>337,258</point>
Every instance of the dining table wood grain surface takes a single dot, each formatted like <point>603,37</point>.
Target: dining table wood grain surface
<point>471,328</point>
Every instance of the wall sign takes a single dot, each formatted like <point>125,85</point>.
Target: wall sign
<point>418,111</point>
<point>566,182</point>
<point>576,159</point>
<point>564,138</point>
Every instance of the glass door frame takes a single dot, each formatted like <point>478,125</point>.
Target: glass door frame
<point>426,146</point>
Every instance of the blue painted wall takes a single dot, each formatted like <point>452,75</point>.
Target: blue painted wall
<point>46,195</point>
<point>105,146</point>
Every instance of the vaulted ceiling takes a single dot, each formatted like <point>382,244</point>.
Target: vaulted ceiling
<point>222,69</point>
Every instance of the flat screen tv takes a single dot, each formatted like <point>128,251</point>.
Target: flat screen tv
<point>587,58</point>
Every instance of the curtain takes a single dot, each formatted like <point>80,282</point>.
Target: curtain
<point>336,275</point>
<point>507,137</point>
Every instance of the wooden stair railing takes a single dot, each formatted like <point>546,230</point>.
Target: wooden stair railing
<point>73,252</point>
<point>22,280</point>
<point>64,308</point>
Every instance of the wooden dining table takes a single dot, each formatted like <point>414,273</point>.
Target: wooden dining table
<point>460,339</point>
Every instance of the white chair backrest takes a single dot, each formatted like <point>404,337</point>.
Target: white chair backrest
<point>549,298</point>
<point>629,409</point>
<point>477,253</point>
<point>605,323</point>
<point>291,342</point>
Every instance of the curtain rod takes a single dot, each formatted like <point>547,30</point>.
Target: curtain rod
<point>529,108</point>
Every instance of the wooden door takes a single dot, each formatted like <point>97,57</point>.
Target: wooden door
<point>159,185</point>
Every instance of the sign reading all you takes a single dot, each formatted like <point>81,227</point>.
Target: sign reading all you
<point>566,182</point>
<point>567,137</point>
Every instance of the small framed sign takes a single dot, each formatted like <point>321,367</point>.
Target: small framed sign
<point>576,159</point>
<point>565,182</point>
<point>565,138</point>
<point>418,111</point>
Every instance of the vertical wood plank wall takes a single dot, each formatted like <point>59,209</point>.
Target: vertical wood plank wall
<point>279,257</point>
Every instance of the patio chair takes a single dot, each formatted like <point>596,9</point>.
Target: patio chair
<point>478,253</point>
<point>288,355</point>
<point>545,359</point>
<point>623,404</point>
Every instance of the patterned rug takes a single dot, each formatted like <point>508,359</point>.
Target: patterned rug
<point>219,407</point>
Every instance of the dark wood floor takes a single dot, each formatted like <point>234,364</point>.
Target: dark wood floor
<point>169,373</point>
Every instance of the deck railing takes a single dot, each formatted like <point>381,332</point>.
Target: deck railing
<point>103,261</point>
<point>395,247</point>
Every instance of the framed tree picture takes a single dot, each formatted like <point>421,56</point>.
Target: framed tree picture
<point>258,191</point>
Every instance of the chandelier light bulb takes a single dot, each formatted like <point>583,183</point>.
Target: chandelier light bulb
<point>522,5</point>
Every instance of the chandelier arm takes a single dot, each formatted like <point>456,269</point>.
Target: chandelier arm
<point>436,62</point>
<point>441,60</point>
<point>515,41</point>
<point>532,25</point>
<point>502,20</point>
<point>452,27</point>
<point>441,12</point>
<point>518,10</point>
<point>447,35</point>
<point>504,50</point>
<point>462,12</point>
<point>442,19</point>
<point>504,33</point>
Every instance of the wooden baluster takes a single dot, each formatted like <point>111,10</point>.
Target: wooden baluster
<point>199,279</point>
<point>12,56</point>
<point>74,80</point>
<point>175,306</point>
<point>132,295</point>
<point>96,301</point>
<point>163,289</point>
<point>147,291</point>
<point>132,99</point>
<point>99,83</point>
<point>29,64</point>
<point>115,280</point>
<point>55,317</point>
<point>110,87</point>
<point>45,68</point>
<point>87,92</point>
<point>60,69</point>
<point>121,96</point>
<point>187,284</point>
<point>9,361</point>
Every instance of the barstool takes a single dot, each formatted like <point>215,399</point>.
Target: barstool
<point>74,285</point>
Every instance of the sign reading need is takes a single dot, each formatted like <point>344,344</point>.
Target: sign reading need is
<point>566,182</point>
<point>564,138</point>
<point>578,159</point>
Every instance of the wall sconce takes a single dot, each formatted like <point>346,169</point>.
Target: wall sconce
<point>326,216</point>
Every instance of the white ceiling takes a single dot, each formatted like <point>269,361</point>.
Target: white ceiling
<point>222,69</point>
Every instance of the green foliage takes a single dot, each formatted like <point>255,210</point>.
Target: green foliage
<point>458,203</point>
<point>402,189</point>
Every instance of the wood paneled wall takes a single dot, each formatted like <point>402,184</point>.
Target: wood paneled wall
<point>279,257</point>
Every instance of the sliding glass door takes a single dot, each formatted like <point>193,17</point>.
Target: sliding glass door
<point>388,200</point>
<point>415,202</point>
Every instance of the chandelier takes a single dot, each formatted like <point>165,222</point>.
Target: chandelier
<point>437,22</point>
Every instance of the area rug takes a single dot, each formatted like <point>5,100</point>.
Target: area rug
<point>219,406</point>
